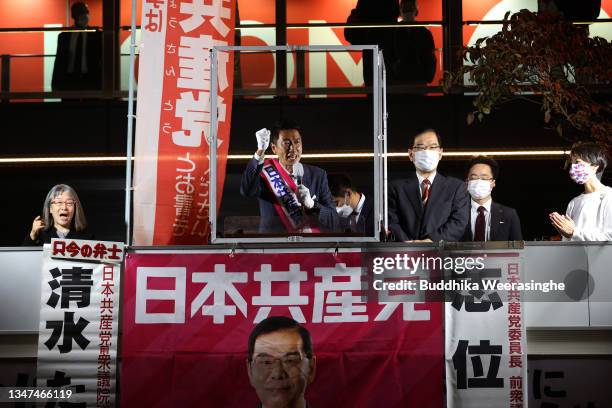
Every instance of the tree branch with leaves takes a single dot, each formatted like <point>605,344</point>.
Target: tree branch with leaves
<point>546,59</point>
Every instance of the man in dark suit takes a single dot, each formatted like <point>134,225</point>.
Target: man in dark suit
<point>355,209</point>
<point>293,197</point>
<point>489,221</point>
<point>78,60</point>
<point>280,362</point>
<point>427,206</point>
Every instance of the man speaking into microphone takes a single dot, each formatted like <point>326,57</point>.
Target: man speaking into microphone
<point>293,197</point>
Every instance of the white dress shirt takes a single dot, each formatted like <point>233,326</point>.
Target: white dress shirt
<point>421,178</point>
<point>359,207</point>
<point>474,214</point>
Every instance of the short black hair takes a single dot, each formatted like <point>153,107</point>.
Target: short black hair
<point>338,184</point>
<point>422,130</point>
<point>489,161</point>
<point>283,124</point>
<point>592,153</point>
<point>79,8</point>
<point>278,323</point>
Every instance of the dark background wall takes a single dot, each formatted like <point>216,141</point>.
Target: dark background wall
<point>533,186</point>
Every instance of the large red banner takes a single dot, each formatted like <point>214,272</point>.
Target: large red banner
<point>187,318</point>
<point>173,129</point>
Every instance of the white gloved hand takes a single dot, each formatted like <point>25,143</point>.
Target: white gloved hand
<point>263,139</point>
<point>303,194</point>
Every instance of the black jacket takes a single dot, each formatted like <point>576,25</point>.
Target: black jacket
<point>505,225</point>
<point>444,218</point>
<point>365,223</point>
<point>45,236</point>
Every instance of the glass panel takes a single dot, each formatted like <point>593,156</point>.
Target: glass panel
<point>246,209</point>
<point>338,11</point>
<point>494,9</point>
<point>38,13</point>
<point>257,11</point>
<point>477,10</point>
<point>400,44</point>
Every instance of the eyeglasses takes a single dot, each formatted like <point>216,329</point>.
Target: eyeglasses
<point>67,203</point>
<point>485,178</point>
<point>419,148</point>
<point>268,363</point>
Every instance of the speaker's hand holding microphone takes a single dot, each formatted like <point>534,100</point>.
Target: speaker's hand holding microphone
<point>303,193</point>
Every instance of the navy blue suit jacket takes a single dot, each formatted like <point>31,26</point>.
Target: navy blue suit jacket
<point>443,218</point>
<point>315,178</point>
<point>365,223</point>
<point>505,225</point>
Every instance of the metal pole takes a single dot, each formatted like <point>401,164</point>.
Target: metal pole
<point>130,126</point>
<point>384,133</point>
<point>212,146</point>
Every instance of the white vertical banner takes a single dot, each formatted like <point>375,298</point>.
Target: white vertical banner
<point>79,320</point>
<point>485,336</point>
<point>148,110</point>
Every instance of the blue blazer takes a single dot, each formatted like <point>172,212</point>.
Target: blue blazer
<point>315,178</point>
<point>444,218</point>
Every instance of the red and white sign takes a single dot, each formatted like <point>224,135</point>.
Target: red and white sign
<point>171,201</point>
<point>101,251</point>
<point>187,318</point>
<point>486,355</point>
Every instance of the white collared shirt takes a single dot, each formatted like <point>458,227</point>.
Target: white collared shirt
<point>359,207</point>
<point>421,178</point>
<point>474,214</point>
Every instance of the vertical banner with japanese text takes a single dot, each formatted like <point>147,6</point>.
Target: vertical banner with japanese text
<point>171,179</point>
<point>486,358</point>
<point>79,319</point>
<point>187,319</point>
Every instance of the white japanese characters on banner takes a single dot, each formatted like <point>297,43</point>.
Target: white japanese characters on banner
<point>79,317</point>
<point>171,175</point>
<point>486,358</point>
<point>188,315</point>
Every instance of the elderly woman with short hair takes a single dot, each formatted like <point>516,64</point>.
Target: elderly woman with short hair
<point>63,217</point>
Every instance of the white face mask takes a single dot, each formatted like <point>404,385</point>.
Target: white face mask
<point>345,211</point>
<point>479,189</point>
<point>426,160</point>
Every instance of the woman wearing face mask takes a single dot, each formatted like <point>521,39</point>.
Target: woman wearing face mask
<point>63,217</point>
<point>588,216</point>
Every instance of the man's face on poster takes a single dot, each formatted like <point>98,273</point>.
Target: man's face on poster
<point>280,370</point>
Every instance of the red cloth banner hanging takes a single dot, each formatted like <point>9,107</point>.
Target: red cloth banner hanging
<point>187,318</point>
<point>171,179</point>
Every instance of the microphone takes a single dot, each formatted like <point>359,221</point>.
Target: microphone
<point>298,172</point>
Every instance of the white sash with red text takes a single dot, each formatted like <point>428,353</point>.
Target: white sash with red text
<point>286,203</point>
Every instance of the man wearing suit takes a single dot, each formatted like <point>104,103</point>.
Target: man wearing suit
<point>427,206</point>
<point>293,197</point>
<point>78,61</point>
<point>355,209</point>
<point>489,221</point>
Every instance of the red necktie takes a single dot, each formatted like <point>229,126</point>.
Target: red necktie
<point>425,190</point>
<point>479,228</point>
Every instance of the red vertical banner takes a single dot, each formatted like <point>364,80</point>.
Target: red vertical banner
<point>171,179</point>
